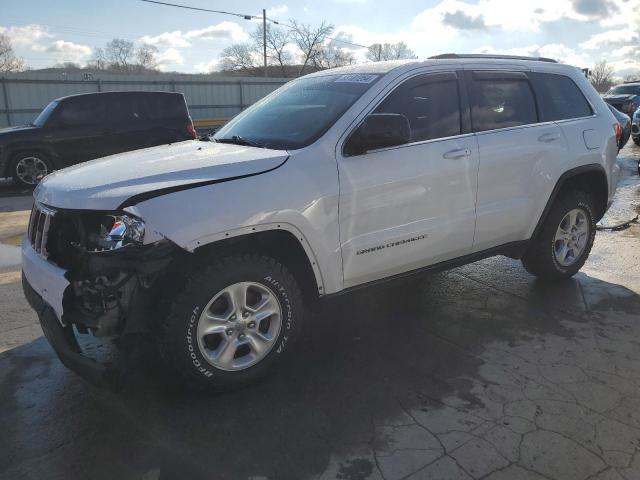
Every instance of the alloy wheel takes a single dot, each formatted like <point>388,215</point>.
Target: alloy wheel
<point>239,326</point>
<point>571,237</point>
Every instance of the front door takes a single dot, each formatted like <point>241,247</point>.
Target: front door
<point>412,205</point>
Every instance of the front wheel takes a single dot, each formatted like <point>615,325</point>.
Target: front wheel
<point>232,322</point>
<point>565,239</point>
<point>28,168</point>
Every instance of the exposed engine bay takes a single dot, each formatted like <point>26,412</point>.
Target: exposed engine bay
<point>110,271</point>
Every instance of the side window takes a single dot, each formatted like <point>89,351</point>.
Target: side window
<point>431,104</point>
<point>559,98</point>
<point>85,110</point>
<point>501,101</point>
<point>124,109</point>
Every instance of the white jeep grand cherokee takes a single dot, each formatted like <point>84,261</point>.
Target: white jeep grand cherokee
<point>337,180</point>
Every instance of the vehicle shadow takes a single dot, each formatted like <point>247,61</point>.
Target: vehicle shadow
<point>445,351</point>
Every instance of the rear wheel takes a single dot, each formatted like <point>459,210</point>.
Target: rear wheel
<point>28,168</point>
<point>565,239</point>
<point>232,322</point>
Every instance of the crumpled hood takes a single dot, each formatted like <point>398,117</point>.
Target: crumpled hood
<point>105,183</point>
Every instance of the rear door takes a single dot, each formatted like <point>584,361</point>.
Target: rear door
<point>519,154</point>
<point>412,205</point>
<point>126,127</point>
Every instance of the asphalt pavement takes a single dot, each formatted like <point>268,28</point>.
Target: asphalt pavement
<point>481,372</point>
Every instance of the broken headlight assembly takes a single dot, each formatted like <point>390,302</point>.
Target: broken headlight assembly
<point>117,231</point>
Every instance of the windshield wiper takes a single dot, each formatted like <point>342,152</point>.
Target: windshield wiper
<point>238,140</point>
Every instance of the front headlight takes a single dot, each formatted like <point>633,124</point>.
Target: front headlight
<point>125,230</point>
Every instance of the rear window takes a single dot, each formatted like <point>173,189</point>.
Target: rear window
<point>625,90</point>
<point>501,103</point>
<point>162,106</point>
<point>559,98</point>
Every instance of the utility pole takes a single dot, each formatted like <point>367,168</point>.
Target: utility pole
<point>264,40</point>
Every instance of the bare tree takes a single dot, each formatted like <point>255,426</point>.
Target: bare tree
<point>330,56</point>
<point>601,76</point>
<point>239,57</point>
<point>120,55</point>
<point>9,62</point>
<point>389,51</point>
<point>277,42</point>
<point>634,77</point>
<point>98,60</point>
<point>309,40</point>
<point>147,57</point>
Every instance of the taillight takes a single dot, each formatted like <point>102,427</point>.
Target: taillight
<point>191,130</point>
<point>618,130</point>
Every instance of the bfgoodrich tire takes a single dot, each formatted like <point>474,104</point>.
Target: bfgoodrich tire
<point>565,238</point>
<point>232,322</point>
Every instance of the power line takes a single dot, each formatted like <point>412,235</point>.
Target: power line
<point>246,17</point>
<point>188,7</point>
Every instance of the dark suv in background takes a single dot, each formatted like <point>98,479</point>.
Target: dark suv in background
<point>78,128</point>
<point>625,97</point>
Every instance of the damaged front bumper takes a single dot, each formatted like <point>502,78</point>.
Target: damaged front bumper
<point>107,293</point>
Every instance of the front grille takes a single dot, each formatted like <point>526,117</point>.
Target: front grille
<point>39,226</point>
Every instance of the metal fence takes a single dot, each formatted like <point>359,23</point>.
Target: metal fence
<point>24,95</point>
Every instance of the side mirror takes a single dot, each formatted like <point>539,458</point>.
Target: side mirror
<point>379,130</point>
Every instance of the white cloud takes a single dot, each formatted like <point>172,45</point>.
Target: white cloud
<point>169,59</point>
<point>222,31</point>
<point>507,15</point>
<point>611,38</point>
<point>27,36</point>
<point>173,39</point>
<point>63,51</point>
<point>206,67</point>
<point>555,51</point>
<point>277,11</point>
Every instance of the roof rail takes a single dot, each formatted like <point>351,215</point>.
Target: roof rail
<point>500,57</point>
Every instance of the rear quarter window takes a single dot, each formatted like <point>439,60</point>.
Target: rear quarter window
<point>559,98</point>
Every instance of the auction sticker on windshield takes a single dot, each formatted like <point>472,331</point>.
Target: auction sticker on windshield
<point>356,78</point>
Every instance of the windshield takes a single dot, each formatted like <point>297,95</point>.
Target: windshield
<point>44,114</point>
<point>625,90</point>
<point>297,114</point>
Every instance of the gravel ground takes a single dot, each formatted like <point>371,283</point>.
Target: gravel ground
<point>481,372</point>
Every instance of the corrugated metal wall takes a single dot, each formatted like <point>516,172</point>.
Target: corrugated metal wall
<point>24,95</point>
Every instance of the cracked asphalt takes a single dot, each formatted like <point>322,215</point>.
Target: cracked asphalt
<point>481,372</point>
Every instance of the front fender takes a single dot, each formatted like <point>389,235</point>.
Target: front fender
<point>291,198</point>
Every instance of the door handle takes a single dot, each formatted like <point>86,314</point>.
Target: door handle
<point>549,137</point>
<point>457,153</point>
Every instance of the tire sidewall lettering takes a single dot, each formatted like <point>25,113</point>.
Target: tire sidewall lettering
<point>202,367</point>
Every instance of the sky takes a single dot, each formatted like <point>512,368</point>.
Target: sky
<point>578,32</point>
